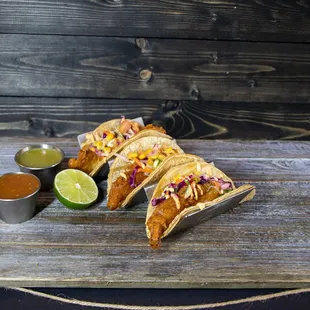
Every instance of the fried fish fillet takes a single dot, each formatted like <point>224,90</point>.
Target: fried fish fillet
<point>86,161</point>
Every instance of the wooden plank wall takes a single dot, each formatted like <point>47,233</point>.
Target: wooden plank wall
<point>204,69</point>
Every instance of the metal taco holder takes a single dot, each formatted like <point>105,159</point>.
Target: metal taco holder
<point>195,218</point>
<point>143,195</point>
<point>208,213</point>
<point>104,171</point>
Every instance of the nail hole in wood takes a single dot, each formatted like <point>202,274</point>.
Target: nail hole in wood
<point>214,57</point>
<point>252,83</point>
<point>194,93</point>
<point>141,43</point>
<point>49,132</point>
<point>145,74</point>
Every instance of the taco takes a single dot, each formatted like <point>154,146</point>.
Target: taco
<point>184,190</point>
<point>106,140</point>
<point>141,163</point>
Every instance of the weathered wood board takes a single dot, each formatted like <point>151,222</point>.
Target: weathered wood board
<point>109,67</point>
<point>264,243</point>
<point>67,117</point>
<point>266,20</point>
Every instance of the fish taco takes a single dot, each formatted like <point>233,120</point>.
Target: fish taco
<point>141,163</point>
<point>107,139</point>
<point>184,190</point>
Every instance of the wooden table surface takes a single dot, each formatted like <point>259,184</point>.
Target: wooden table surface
<point>264,243</point>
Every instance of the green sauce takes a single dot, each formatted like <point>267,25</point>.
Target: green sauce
<point>39,158</point>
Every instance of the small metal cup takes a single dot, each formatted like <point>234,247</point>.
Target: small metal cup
<point>14,211</point>
<point>47,174</point>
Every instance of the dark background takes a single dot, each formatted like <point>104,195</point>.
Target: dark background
<point>203,69</point>
<point>214,70</point>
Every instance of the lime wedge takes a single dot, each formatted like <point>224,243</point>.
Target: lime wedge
<point>75,189</point>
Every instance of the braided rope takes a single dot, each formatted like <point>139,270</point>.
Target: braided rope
<point>136,307</point>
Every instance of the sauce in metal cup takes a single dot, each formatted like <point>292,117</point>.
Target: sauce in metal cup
<point>18,196</point>
<point>42,160</point>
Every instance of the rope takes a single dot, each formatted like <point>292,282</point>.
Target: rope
<point>136,307</point>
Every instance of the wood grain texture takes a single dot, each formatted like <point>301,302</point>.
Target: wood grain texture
<point>218,149</point>
<point>264,243</point>
<point>65,66</point>
<point>254,169</point>
<point>234,20</point>
<point>245,161</point>
<point>68,117</point>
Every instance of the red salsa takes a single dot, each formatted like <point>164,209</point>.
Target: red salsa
<point>17,185</point>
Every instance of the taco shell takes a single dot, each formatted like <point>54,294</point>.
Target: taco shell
<point>110,125</point>
<point>139,135</point>
<point>186,169</point>
<point>120,165</point>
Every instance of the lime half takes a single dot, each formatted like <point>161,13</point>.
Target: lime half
<point>75,189</point>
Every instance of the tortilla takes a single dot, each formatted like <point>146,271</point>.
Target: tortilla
<point>120,165</point>
<point>109,125</point>
<point>187,169</point>
<point>144,133</point>
<point>93,164</point>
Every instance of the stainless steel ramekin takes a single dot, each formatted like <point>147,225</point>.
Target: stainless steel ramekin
<point>47,174</point>
<point>19,210</point>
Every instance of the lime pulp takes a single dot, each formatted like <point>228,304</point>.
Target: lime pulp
<point>75,189</point>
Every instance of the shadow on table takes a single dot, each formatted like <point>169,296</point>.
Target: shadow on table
<point>44,200</point>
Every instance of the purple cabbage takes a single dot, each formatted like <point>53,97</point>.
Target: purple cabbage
<point>224,184</point>
<point>133,177</point>
<point>203,180</point>
<point>173,185</point>
<point>104,135</point>
<point>156,201</point>
<point>181,184</point>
